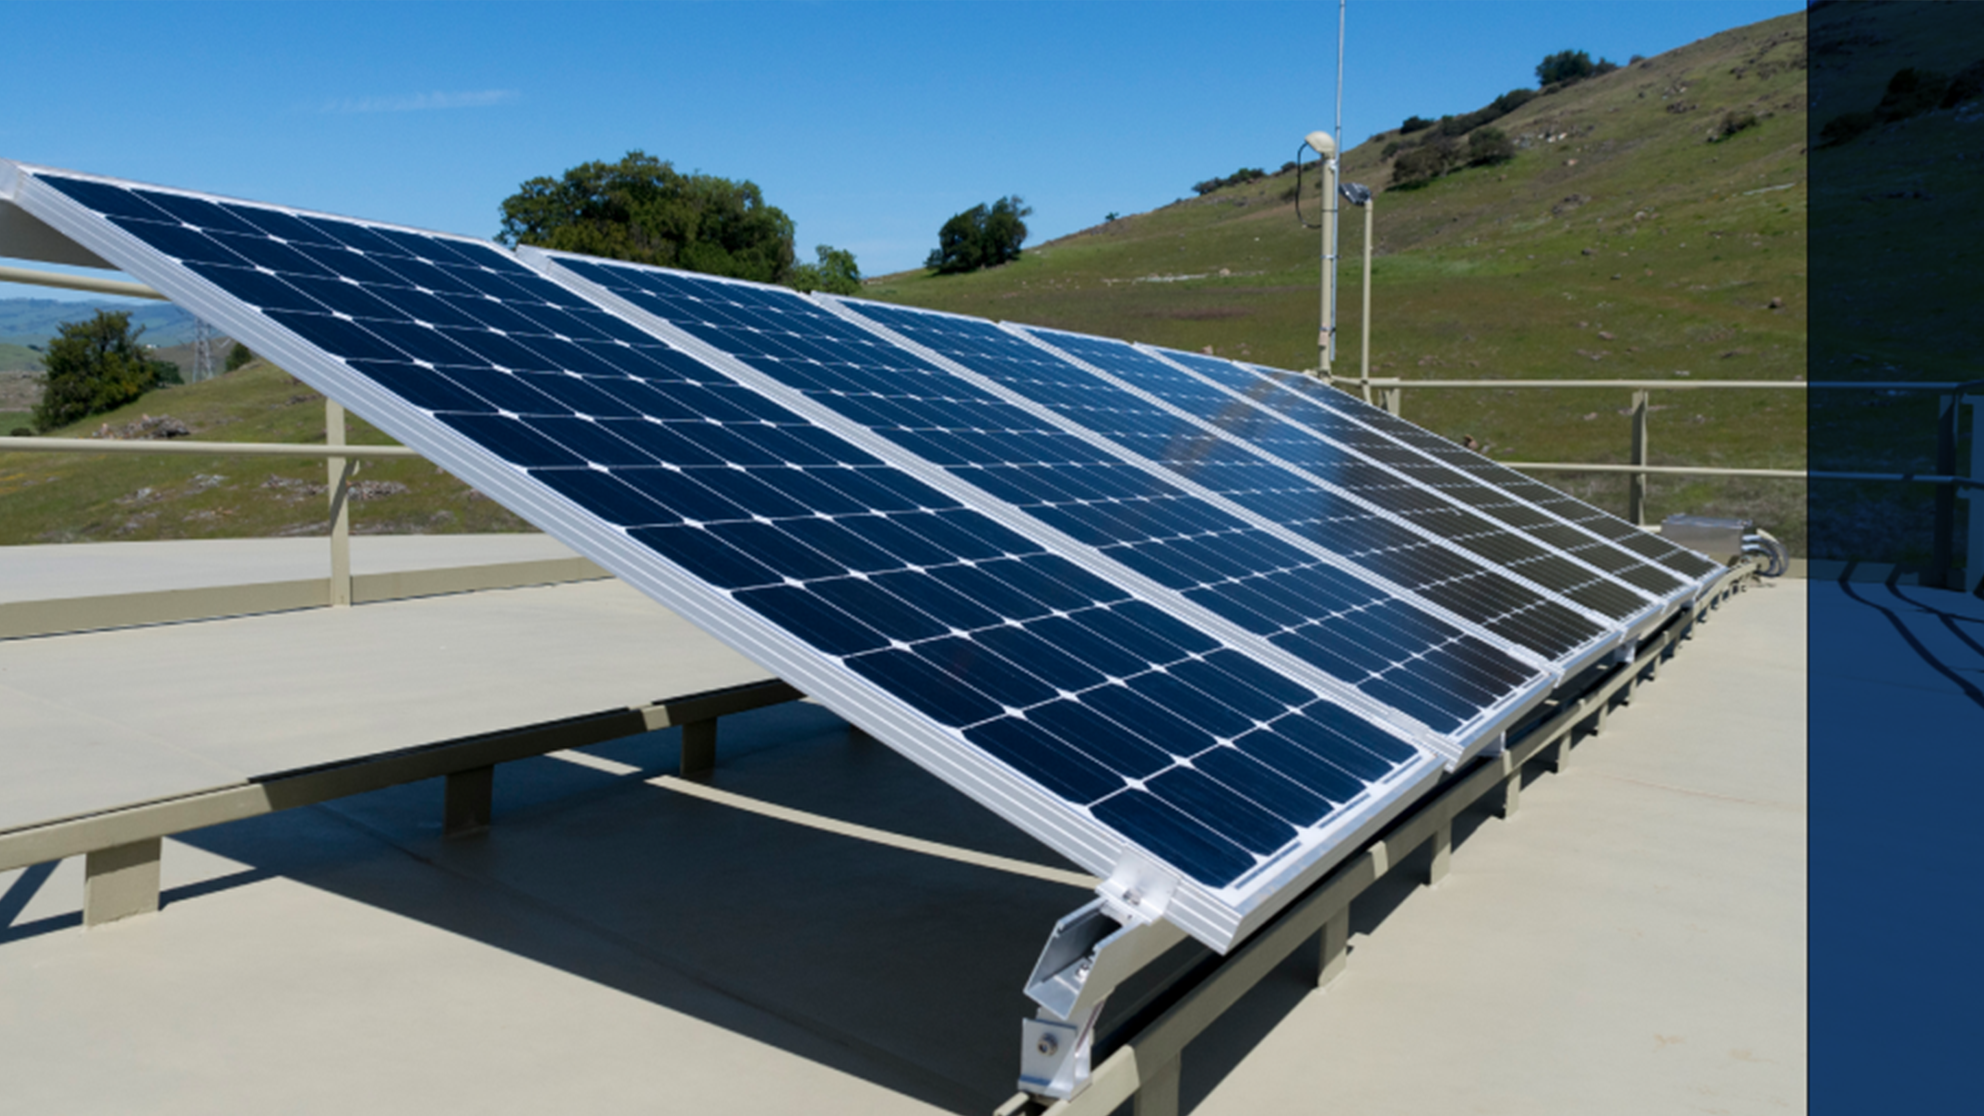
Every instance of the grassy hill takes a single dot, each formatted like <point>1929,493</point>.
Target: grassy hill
<point>54,498</point>
<point>1620,242</point>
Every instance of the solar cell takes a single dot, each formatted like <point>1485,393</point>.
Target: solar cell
<point>1315,515</point>
<point>1604,540</point>
<point>1352,631</point>
<point>1106,725</point>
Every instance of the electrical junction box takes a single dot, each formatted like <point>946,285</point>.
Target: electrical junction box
<point>1720,539</point>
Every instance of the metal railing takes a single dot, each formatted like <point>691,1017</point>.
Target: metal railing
<point>1951,484</point>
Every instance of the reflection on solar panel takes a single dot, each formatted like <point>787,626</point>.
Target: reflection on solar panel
<point>1337,513</point>
<point>1162,641</point>
<point>1597,538</point>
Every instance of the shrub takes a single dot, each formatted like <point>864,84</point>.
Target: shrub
<point>1488,147</point>
<point>1604,66</point>
<point>1421,165</point>
<point>1845,126</point>
<point>1244,174</point>
<point>238,356</point>
<point>1735,121</point>
<point>834,272</point>
<point>1414,124</point>
<point>1391,149</point>
<point>1564,66</point>
<point>1910,92</point>
<point>96,366</point>
<point>1513,100</point>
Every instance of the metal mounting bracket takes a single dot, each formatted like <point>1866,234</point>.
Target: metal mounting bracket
<point>1090,952</point>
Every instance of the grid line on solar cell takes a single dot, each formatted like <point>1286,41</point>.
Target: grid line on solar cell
<point>549,444</point>
<point>1233,477</point>
<point>1431,690</point>
<point>1311,455</point>
<point>1492,524</point>
<point>1598,536</point>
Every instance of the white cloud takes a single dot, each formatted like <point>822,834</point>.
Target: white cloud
<point>420,102</point>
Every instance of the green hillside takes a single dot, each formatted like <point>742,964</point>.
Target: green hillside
<point>55,498</point>
<point>1620,242</point>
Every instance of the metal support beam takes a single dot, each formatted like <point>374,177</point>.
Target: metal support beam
<point>1973,562</point>
<point>338,472</point>
<point>1636,490</point>
<point>1510,800</point>
<point>698,748</point>
<point>1334,954</point>
<point>1442,847</point>
<point>1158,1096</point>
<point>120,881</point>
<point>470,802</point>
<point>121,288</point>
<point>1391,399</point>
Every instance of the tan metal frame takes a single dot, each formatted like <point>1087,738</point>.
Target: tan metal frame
<point>121,846</point>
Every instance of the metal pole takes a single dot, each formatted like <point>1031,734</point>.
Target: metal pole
<point>1335,234</point>
<point>1364,338</point>
<point>1636,487</point>
<point>1326,341</point>
<point>338,472</point>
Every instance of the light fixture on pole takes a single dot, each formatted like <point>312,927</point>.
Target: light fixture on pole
<point>1360,196</point>
<point>1323,145</point>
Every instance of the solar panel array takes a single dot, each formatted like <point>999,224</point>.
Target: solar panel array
<point>1145,629</point>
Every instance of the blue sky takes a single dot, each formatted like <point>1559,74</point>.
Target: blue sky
<point>868,123</point>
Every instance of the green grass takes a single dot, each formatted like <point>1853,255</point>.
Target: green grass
<point>56,498</point>
<point>1636,227</point>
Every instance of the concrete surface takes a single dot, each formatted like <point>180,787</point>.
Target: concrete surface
<point>32,573</point>
<point>1631,942</point>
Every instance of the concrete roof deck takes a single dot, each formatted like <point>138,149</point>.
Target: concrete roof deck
<point>1632,941</point>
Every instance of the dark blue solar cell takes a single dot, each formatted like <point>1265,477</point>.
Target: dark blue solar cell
<point>1312,769</point>
<point>199,211</point>
<point>415,273</point>
<point>264,252</point>
<point>1180,698</point>
<point>847,549</point>
<point>589,440</point>
<point>577,395</point>
<point>605,497</point>
<point>1346,740</point>
<point>735,445</point>
<point>882,610</point>
<point>180,242</point>
<point>496,349</point>
<point>417,246</point>
<point>813,620</point>
<point>981,583</point>
<point>423,387</point>
<point>1173,837</point>
<point>892,533</point>
<point>939,694</point>
<point>1051,663</point>
<point>746,490</point>
<point>1221,810</point>
<point>989,673</point>
<point>512,440</point>
<point>256,288</point>
<point>1250,777</point>
<point>1112,745</point>
<point>279,224</point>
<point>344,263</point>
<point>338,337</point>
<point>420,342</point>
<point>706,556</point>
<point>786,555</point>
<point>1063,769</point>
<point>344,298</point>
<point>931,596</point>
<point>114,201</point>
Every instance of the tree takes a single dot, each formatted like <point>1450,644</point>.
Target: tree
<point>1565,65</point>
<point>835,273</point>
<point>1488,146</point>
<point>1422,164</point>
<point>96,366</point>
<point>238,356</point>
<point>642,209</point>
<point>982,236</point>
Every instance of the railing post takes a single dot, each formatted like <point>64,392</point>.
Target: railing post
<point>1390,399</point>
<point>338,476</point>
<point>1636,486</point>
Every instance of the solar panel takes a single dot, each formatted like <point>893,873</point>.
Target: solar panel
<point>1474,517</point>
<point>1598,538</point>
<point>1351,631</point>
<point>1097,717</point>
<point>1334,516</point>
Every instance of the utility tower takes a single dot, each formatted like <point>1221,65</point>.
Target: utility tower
<point>203,350</point>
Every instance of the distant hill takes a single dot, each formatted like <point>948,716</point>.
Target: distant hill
<point>1628,238</point>
<point>32,321</point>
